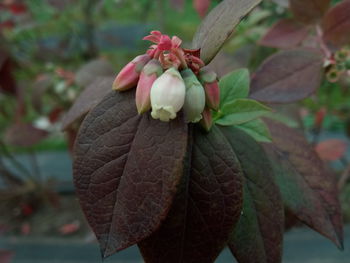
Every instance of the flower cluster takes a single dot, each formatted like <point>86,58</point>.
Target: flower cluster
<point>168,79</point>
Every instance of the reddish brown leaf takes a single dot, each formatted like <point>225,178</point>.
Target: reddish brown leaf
<point>6,256</point>
<point>309,11</point>
<point>287,76</point>
<point>201,6</point>
<point>286,33</point>
<point>331,150</point>
<point>126,170</point>
<point>24,135</point>
<point>218,26</point>
<point>258,236</point>
<point>88,99</point>
<point>88,73</point>
<point>206,208</point>
<point>309,190</point>
<point>336,24</point>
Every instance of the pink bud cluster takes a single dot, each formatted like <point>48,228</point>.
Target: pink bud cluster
<point>169,78</point>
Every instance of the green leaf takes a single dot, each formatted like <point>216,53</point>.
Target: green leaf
<point>234,86</point>
<point>241,111</point>
<point>256,129</point>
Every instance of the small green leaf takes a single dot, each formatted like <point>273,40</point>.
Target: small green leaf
<point>241,111</point>
<point>256,129</point>
<point>234,86</point>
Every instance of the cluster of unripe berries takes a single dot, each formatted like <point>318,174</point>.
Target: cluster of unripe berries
<point>340,66</point>
<point>169,79</point>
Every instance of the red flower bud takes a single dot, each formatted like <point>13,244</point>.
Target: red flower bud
<point>130,74</point>
<point>211,88</point>
<point>149,74</point>
<point>207,120</point>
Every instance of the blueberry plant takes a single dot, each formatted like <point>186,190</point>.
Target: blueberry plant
<point>183,164</point>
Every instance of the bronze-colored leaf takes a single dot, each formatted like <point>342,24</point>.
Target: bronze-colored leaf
<point>206,208</point>
<point>126,170</point>
<point>309,11</point>
<point>286,33</point>
<point>336,24</point>
<point>24,135</point>
<point>88,99</point>
<point>218,26</point>
<point>309,190</point>
<point>287,76</point>
<point>258,236</point>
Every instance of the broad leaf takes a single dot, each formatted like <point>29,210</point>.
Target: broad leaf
<point>309,190</point>
<point>336,24</point>
<point>286,33</point>
<point>89,98</point>
<point>206,208</point>
<point>234,85</point>
<point>256,129</point>
<point>309,11</point>
<point>88,73</point>
<point>287,76</point>
<point>258,236</point>
<point>126,170</point>
<point>241,111</point>
<point>6,256</point>
<point>24,135</point>
<point>218,26</point>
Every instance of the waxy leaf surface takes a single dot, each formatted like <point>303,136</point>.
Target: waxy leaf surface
<point>336,24</point>
<point>206,208</point>
<point>126,170</point>
<point>258,236</point>
<point>309,11</point>
<point>89,98</point>
<point>309,190</point>
<point>218,26</point>
<point>287,76</point>
<point>286,33</point>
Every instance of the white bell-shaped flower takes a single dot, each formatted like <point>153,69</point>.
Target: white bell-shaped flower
<point>167,95</point>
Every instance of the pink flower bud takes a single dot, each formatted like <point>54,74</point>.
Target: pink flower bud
<point>167,95</point>
<point>129,75</point>
<point>211,87</point>
<point>195,97</point>
<point>207,120</point>
<point>148,76</point>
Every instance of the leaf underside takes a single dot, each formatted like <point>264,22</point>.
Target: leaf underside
<point>89,98</point>
<point>258,236</point>
<point>309,190</point>
<point>126,170</point>
<point>218,26</point>
<point>206,208</point>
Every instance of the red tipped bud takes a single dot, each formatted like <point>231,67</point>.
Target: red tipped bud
<point>149,74</point>
<point>211,88</point>
<point>207,120</point>
<point>129,75</point>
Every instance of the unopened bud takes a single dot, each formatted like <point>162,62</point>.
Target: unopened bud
<point>148,76</point>
<point>207,120</point>
<point>211,88</point>
<point>195,97</point>
<point>167,95</point>
<point>129,75</point>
